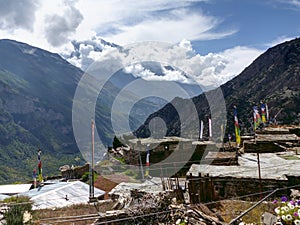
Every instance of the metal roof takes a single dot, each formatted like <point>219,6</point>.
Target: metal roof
<point>12,189</point>
<point>272,167</point>
<point>2,197</point>
<point>61,194</point>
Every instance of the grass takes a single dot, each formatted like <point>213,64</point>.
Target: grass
<point>290,157</point>
<point>76,214</point>
<point>230,209</point>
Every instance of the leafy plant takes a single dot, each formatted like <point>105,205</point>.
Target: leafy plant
<point>19,210</point>
<point>117,143</point>
<point>131,173</point>
<point>86,177</point>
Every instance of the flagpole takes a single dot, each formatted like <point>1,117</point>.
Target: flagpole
<point>40,169</point>
<point>92,189</point>
<point>139,146</point>
<point>147,160</point>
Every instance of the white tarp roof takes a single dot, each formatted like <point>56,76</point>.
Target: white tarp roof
<point>12,189</point>
<point>2,197</point>
<point>61,194</point>
<point>272,167</point>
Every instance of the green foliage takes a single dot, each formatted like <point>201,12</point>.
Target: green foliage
<point>19,211</point>
<point>117,143</point>
<point>86,177</point>
<point>121,160</point>
<point>131,173</point>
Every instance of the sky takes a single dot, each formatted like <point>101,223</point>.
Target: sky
<point>218,38</point>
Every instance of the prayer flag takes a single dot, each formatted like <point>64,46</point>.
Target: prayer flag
<point>256,117</point>
<point>237,128</point>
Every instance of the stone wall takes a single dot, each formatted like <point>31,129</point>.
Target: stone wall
<point>204,188</point>
<point>75,173</point>
<point>262,147</point>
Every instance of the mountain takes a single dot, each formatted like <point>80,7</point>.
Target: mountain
<point>274,77</point>
<point>37,91</point>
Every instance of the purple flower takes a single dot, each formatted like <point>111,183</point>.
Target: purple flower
<point>283,198</point>
<point>296,214</point>
<point>298,202</point>
<point>292,202</point>
<point>275,201</point>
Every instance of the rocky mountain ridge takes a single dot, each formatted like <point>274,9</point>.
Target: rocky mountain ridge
<point>274,78</point>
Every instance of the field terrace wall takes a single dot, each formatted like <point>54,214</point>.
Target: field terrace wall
<point>205,188</point>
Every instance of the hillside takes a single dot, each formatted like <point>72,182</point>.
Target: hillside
<point>36,99</point>
<point>36,96</point>
<point>273,77</point>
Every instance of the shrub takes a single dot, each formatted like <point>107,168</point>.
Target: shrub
<point>19,210</point>
<point>86,177</point>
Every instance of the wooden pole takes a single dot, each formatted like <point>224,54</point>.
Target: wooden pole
<point>259,175</point>
<point>140,160</point>
<point>92,189</point>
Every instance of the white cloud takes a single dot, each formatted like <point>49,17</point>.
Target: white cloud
<point>15,14</point>
<point>138,70</point>
<point>208,71</point>
<point>172,26</point>
<point>127,22</point>
<point>53,23</point>
<point>279,40</point>
<point>59,27</point>
<point>293,3</point>
<point>238,59</point>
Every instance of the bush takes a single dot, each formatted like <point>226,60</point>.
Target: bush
<point>117,143</point>
<point>86,177</point>
<point>19,210</point>
<point>131,173</point>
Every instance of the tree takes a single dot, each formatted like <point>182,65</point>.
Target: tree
<point>117,143</point>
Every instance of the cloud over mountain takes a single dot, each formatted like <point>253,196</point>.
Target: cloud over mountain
<point>209,70</point>
<point>218,49</point>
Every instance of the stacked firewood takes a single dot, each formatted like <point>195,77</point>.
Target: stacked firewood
<point>148,208</point>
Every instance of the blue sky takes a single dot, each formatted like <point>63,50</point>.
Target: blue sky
<point>258,24</point>
<point>220,37</point>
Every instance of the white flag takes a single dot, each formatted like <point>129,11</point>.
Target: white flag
<point>201,129</point>
<point>209,127</point>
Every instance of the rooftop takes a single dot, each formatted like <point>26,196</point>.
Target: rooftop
<point>12,189</point>
<point>61,194</point>
<point>273,166</point>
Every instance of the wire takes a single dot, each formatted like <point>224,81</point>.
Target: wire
<point>149,185</point>
<point>143,185</point>
<point>135,217</point>
<point>90,216</point>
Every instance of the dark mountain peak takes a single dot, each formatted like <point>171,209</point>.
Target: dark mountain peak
<point>269,66</point>
<point>274,77</point>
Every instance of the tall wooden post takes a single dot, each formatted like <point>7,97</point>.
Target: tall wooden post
<point>259,175</point>
<point>92,188</point>
<point>139,146</point>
